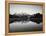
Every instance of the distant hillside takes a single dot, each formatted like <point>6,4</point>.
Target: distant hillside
<point>34,18</point>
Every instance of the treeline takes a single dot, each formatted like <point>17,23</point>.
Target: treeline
<point>34,18</point>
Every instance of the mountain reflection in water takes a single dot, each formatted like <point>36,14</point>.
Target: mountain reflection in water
<point>25,26</point>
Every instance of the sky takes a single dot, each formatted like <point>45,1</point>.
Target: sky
<point>25,9</point>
